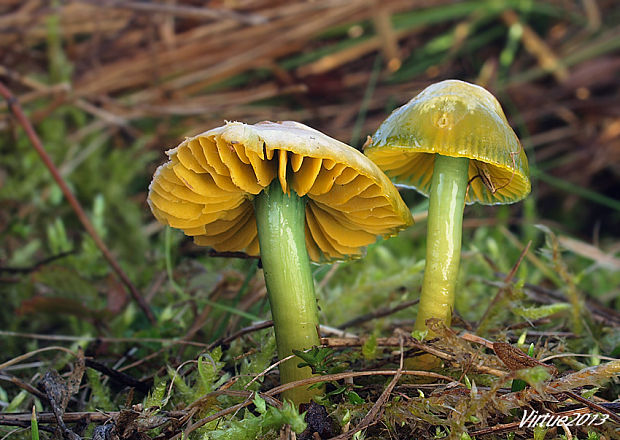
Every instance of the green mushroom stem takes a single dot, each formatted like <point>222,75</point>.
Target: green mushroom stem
<point>280,220</point>
<point>444,232</point>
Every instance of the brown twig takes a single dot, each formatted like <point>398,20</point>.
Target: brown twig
<point>502,291</point>
<point>594,407</point>
<point>382,21</point>
<point>23,357</point>
<point>12,421</point>
<point>73,417</point>
<point>77,208</point>
<point>242,255</point>
<point>120,377</point>
<point>37,265</point>
<point>183,11</point>
<point>244,331</point>
<point>372,417</point>
<point>23,385</point>
<point>71,338</point>
<point>534,44</point>
<point>379,313</point>
<point>409,343</point>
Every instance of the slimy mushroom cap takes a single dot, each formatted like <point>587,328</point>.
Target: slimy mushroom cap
<point>458,119</point>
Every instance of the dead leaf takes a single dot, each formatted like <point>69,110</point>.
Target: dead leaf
<point>515,359</point>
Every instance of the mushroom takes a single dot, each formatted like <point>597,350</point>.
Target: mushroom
<point>453,144</point>
<point>288,193</point>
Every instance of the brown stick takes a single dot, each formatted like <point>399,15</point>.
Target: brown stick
<point>535,45</point>
<point>94,417</point>
<point>77,208</point>
<point>409,343</point>
<point>183,11</point>
<point>372,417</point>
<point>502,291</point>
<point>379,313</point>
<point>594,407</point>
<point>23,385</point>
<point>244,331</point>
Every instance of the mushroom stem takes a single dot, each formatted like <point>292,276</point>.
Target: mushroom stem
<point>280,220</point>
<point>444,232</point>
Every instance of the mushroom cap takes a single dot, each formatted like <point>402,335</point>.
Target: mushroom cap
<point>458,119</point>
<point>208,186</point>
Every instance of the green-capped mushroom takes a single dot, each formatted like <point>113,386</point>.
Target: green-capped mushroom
<point>288,193</point>
<point>453,144</point>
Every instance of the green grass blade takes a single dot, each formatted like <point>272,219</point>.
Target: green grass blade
<point>34,425</point>
<point>370,89</point>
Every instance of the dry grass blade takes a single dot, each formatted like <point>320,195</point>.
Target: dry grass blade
<point>23,357</point>
<point>502,291</point>
<point>181,11</point>
<point>379,313</point>
<point>591,252</point>
<point>537,46</point>
<point>23,385</point>
<point>74,417</point>
<point>68,338</point>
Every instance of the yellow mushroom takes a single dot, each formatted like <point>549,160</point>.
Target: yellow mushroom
<point>453,144</point>
<point>288,193</point>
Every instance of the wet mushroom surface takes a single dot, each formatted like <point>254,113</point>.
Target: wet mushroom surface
<point>208,187</point>
<point>453,144</point>
<point>288,193</point>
